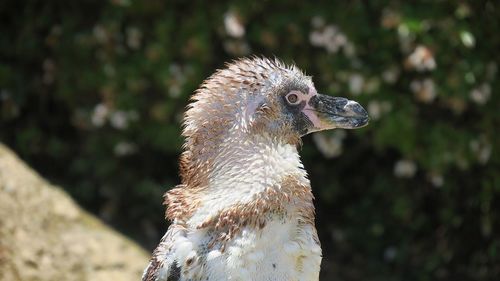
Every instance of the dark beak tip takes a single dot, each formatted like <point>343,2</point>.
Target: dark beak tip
<point>360,114</point>
<point>365,121</point>
<point>357,109</point>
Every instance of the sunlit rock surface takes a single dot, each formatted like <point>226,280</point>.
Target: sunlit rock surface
<point>44,235</point>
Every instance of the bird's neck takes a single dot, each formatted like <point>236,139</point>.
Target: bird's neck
<point>247,177</point>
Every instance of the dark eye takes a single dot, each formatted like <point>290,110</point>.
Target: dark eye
<point>292,98</point>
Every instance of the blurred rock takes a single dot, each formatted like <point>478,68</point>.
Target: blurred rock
<point>44,235</point>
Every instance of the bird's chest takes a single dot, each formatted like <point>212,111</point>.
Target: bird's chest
<point>280,251</point>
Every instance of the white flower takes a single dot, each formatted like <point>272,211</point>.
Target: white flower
<point>99,115</point>
<point>467,39</point>
<point>482,148</point>
<point>119,120</point>
<point>405,168</point>
<point>390,75</point>
<point>356,83</point>
<point>330,37</point>
<point>421,59</point>
<point>424,91</point>
<point>316,38</point>
<point>437,180</point>
<point>376,109</point>
<point>330,144</point>
<point>481,94</point>
<point>233,26</point>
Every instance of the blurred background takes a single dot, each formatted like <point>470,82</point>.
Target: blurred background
<point>92,95</point>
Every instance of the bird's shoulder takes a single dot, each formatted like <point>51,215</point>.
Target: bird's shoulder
<point>164,265</point>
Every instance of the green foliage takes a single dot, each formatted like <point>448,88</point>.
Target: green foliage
<point>92,94</point>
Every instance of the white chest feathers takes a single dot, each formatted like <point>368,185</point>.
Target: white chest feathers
<point>283,250</point>
<point>280,251</point>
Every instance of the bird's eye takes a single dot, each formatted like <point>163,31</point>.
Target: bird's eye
<point>292,98</point>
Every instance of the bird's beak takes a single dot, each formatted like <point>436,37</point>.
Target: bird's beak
<point>327,112</point>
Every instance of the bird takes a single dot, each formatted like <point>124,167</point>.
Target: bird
<point>244,209</point>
